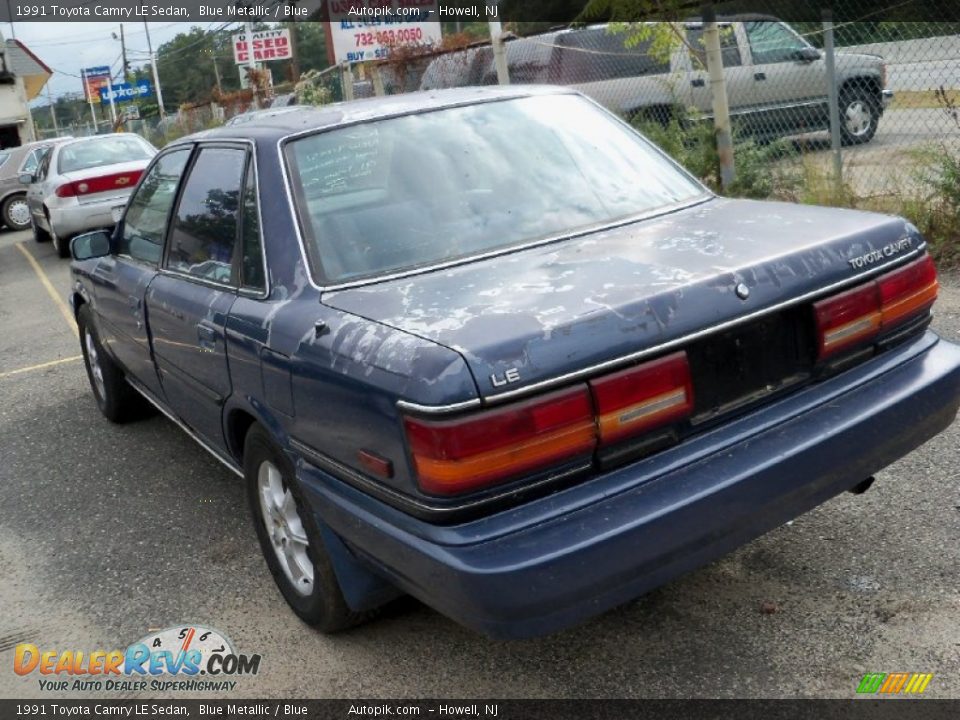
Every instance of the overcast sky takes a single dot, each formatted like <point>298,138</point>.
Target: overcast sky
<point>67,47</point>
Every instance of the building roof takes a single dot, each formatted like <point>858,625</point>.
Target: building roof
<point>23,63</point>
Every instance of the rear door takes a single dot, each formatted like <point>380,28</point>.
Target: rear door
<point>35,189</point>
<point>121,279</point>
<point>189,301</point>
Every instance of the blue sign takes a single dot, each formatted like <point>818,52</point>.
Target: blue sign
<point>125,91</point>
<point>96,71</point>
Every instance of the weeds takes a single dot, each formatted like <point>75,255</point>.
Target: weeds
<point>929,197</point>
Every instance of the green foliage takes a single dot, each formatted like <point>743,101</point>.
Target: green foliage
<point>689,140</point>
<point>311,90</point>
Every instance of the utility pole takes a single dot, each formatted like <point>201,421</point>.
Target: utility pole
<point>156,72</point>
<point>13,29</point>
<point>499,51</point>
<point>718,94</point>
<point>53,112</point>
<point>251,63</point>
<point>216,70</point>
<point>294,50</point>
<point>123,51</point>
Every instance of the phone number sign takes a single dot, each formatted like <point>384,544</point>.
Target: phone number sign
<point>367,30</point>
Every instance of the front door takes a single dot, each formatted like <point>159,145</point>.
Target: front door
<point>790,85</point>
<point>737,78</point>
<point>121,279</point>
<point>188,302</point>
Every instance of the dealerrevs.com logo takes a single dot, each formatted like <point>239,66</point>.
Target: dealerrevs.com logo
<point>189,657</point>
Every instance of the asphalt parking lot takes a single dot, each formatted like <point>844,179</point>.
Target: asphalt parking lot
<point>108,530</point>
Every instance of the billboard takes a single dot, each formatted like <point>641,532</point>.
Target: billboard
<point>94,78</point>
<point>267,45</point>
<point>371,28</point>
<point>125,91</point>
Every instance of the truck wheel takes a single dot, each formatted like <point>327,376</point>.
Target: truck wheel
<point>289,538</point>
<point>116,399</point>
<point>859,115</point>
<point>16,212</point>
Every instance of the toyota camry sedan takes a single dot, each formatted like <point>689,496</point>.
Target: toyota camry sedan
<point>493,349</point>
<point>83,184</point>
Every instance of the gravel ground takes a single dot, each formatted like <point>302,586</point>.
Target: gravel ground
<point>108,531</point>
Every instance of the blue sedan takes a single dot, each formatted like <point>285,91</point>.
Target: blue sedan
<point>492,348</point>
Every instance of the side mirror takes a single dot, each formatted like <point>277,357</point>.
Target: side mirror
<point>90,245</point>
<point>25,178</point>
<point>808,54</point>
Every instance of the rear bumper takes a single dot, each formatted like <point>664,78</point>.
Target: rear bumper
<point>558,560</point>
<point>886,98</point>
<point>75,218</point>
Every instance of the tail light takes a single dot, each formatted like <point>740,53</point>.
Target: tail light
<point>104,183</point>
<point>856,316</point>
<point>494,446</point>
<point>453,456</point>
<point>639,399</point>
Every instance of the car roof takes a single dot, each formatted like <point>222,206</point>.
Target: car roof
<point>277,126</point>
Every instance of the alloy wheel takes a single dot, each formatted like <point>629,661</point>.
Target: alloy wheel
<point>285,528</point>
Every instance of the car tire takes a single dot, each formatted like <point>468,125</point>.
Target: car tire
<point>290,539</point>
<point>39,234</point>
<point>16,212</point>
<point>859,115</point>
<point>116,399</point>
<point>60,244</point>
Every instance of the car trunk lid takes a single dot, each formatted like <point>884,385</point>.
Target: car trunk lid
<point>719,279</point>
<point>105,182</point>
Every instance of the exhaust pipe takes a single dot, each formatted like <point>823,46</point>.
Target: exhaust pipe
<point>861,487</point>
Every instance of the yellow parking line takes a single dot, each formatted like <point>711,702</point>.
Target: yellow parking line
<point>61,361</point>
<point>64,310</point>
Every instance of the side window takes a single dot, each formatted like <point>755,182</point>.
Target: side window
<point>594,55</point>
<point>251,260</point>
<point>30,164</point>
<point>772,42</point>
<point>729,49</point>
<point>41,173</point>
<point>204,232</point>
<point>145,223</point>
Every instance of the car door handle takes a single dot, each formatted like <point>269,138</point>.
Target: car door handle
<point>698,82</point>
<point>760,76</point>
<point>207,336</point>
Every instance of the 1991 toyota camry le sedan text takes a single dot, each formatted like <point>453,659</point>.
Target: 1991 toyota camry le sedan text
<point>493,349</point>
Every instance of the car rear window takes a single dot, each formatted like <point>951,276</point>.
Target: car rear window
<point>403,192</point>
<point>102,151</point>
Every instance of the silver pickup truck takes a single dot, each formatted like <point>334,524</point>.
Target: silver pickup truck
<point>776,80</point>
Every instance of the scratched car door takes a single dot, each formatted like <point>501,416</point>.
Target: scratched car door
<point>188,302</point>
<point>121,279</point>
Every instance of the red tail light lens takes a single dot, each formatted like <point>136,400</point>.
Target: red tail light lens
<point>847,319</point>
<point>639,399</point>
<point>104,183</point>
<point>908,292</point>
<point>856,316</point>
<point>454,456</point>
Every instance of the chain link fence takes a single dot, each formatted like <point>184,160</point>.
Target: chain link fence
<point>896,85</point>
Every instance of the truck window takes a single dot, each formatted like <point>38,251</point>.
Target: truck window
<point>729,49</point>
<point>598,54</point>
<point>772,42</point>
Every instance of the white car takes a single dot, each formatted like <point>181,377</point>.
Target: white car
<point>83,185</point>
